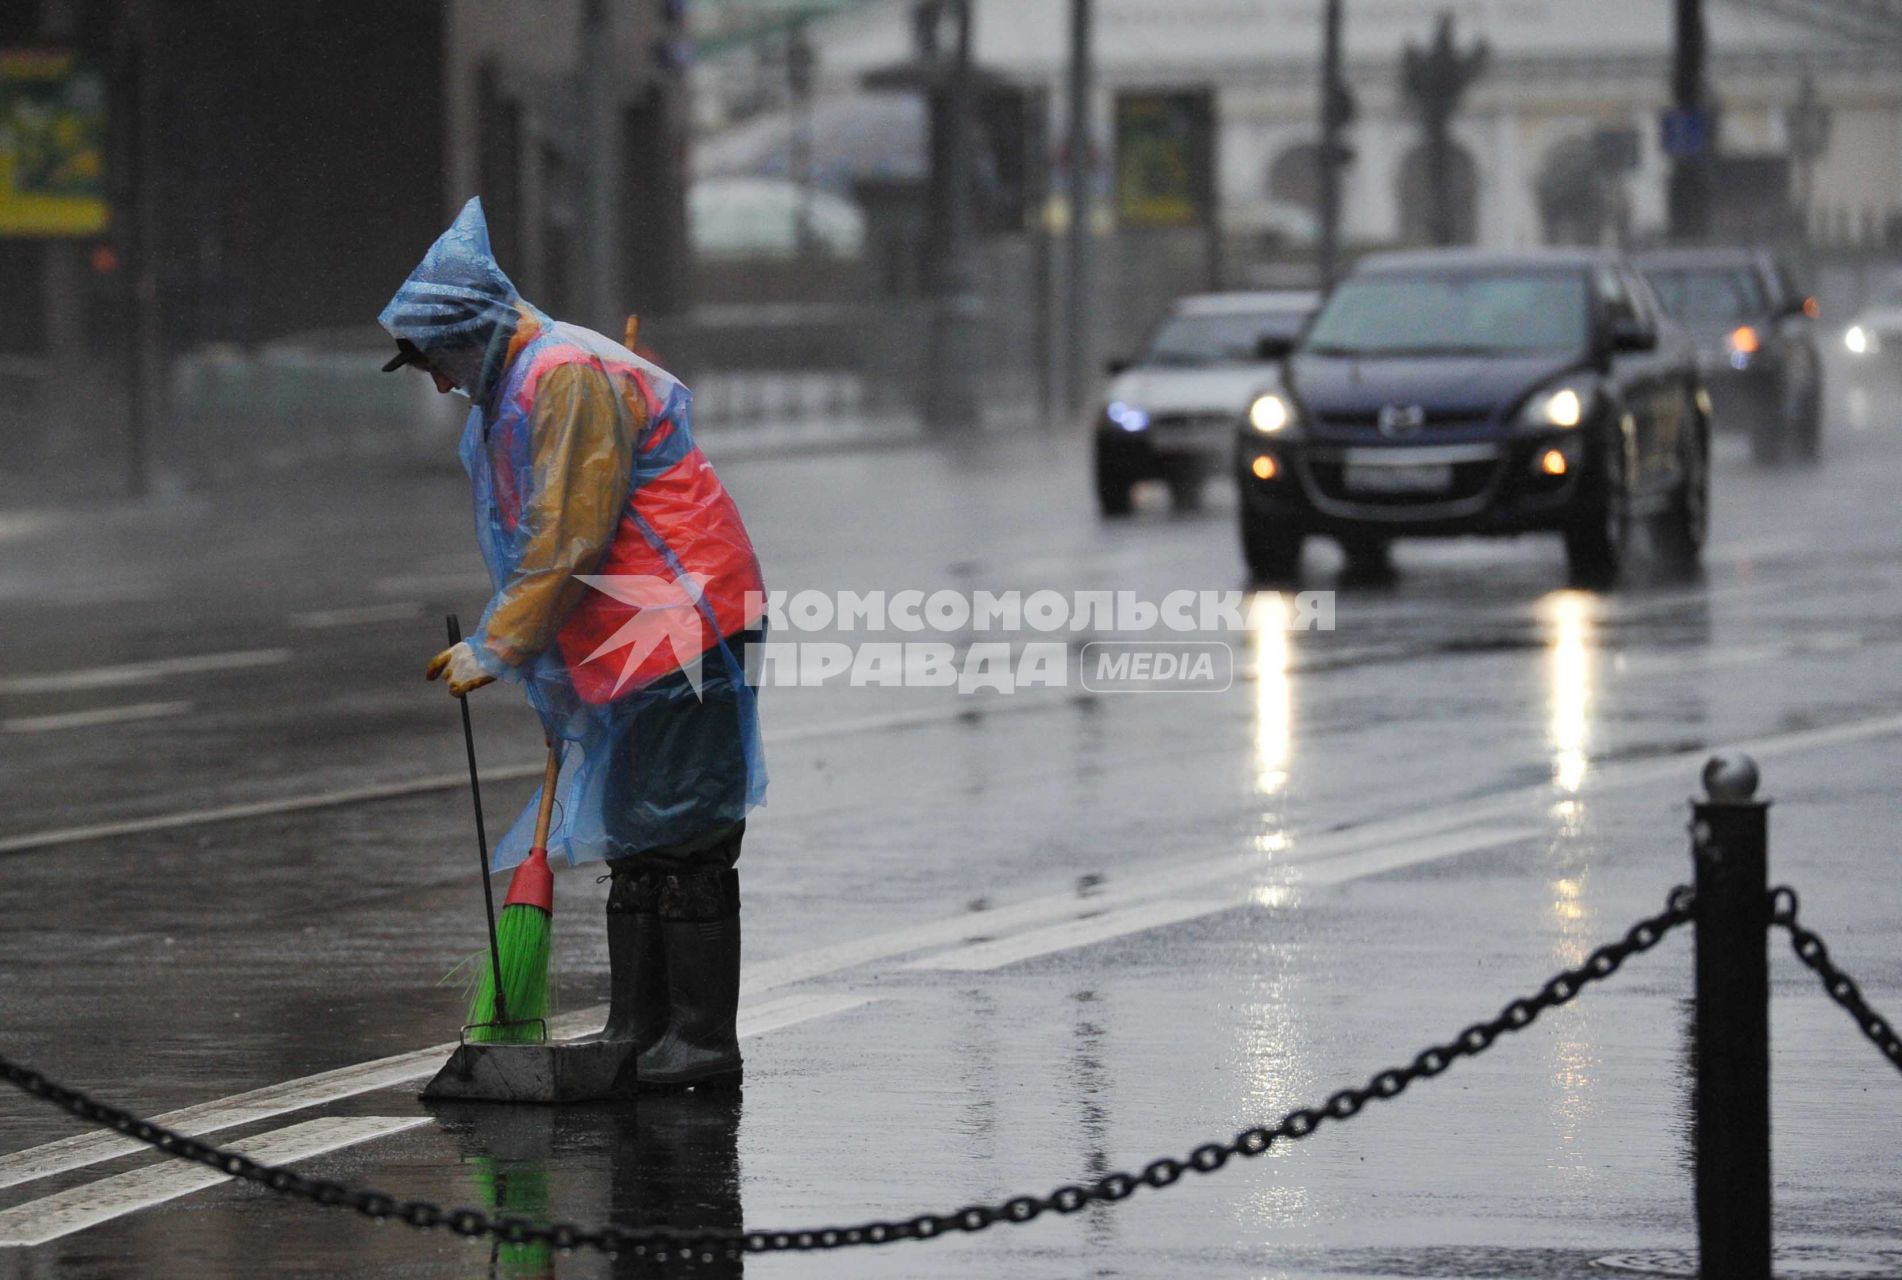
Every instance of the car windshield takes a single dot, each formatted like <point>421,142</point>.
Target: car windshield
<point>1709,297</point>
<point>1218,338</point>
<point>1447,313</point>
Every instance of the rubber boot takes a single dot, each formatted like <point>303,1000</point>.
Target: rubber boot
<point>637,965</point>
<point>701,1046</point>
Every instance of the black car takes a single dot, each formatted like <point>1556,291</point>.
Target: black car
<point>1756,343</point>
<point>1461,392</point>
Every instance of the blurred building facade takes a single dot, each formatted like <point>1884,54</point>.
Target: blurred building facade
<point>544,99</point>
<point>1559,139</point>
<point>268,174</point>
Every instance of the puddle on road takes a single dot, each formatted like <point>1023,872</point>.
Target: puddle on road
<point>1821,1262</point>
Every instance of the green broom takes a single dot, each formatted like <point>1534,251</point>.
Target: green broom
<point>522,938</point>
<point>517,1188</point>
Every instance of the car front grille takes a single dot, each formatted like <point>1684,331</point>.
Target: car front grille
<point>1190,421</point>
<point>1470,480</point>
<point>1365,427</point>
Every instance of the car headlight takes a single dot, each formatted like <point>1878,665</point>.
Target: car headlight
<point>1565,404</point>
<point>1270,413</point>
<point>1859,340</point>
<point>1125,415</point>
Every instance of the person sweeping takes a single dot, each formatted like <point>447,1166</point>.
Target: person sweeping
<point>626,595</point>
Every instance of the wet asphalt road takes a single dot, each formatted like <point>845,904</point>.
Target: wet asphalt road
<point>994,944</point>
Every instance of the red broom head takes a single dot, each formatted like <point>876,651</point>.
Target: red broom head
<point>533,884</point>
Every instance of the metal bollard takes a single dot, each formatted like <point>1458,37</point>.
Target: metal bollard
<point>1729,852</point>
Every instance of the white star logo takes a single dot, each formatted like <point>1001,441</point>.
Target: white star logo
<point>666,610</point>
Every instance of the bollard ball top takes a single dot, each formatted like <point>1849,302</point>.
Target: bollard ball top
<point>1730,778</point>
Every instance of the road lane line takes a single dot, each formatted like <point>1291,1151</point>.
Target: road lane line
<point>95,718</point>
<point>326,1087</point>
<point>54,837</point>
<point>23,525</point>
<point>1318,868</point>
<point>253,809</point>
<point>114,677</point>
<point>97,1145</point>
<point>789,1011</point>
<point>996,953</point>
<point>1317,872</point>
<point>454,583</point>
<point>63,1213</point>
<point>359,615</point>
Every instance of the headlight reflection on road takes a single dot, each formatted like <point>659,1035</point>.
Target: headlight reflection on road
<point>1569,621</point>
<point>1571,669</point>
<point>1274,732</point>
<point>1575,1054</point>
<point>1567,907</point>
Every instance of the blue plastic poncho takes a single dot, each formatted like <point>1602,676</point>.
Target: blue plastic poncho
<point>625,586</point>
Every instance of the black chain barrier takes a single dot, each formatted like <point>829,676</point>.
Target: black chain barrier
<point>664,1243</point>
<point>1842,988</point>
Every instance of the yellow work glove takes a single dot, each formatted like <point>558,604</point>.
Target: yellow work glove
<point>459,663</point>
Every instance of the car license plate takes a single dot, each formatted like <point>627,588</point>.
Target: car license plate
<point>1403,479</point>
<point>1211,439</point>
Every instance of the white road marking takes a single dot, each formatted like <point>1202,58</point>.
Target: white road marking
<point>455,781</point>
<point>361,615</point>
<point>776,1015</point>
<point>114,677</point>
<point>94,718</point>
<point>244,1108</point>
<point>1828,645</point>
<point>80,594</point>
<point>253,809</point>
<point>326,1087</point>
<point>459,582</point>
<point>1321,865</point>
<point>996,953</point>
<point>1341,868</point>
<point>22,525</point>
<point>1757,549</point>
<point>61,1214</point>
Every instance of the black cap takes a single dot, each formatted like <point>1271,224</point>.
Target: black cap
<point>407,352</point>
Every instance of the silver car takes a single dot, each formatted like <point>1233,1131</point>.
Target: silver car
<point>1170,413</point>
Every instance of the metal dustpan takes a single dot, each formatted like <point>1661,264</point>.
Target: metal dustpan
<point>552,1071</point>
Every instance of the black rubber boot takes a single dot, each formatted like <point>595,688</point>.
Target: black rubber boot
<point>700,1045</point>
<point>637,963</point>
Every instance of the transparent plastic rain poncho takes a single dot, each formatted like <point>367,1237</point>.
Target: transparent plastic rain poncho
<point>625,585</point>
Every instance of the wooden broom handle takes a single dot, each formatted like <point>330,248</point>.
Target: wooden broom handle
<point>549,775</point>
<point>631,334</point>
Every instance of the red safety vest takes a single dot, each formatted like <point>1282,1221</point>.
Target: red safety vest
<point>678,521</point>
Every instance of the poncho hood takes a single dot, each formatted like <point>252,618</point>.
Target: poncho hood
<point>458,306</point>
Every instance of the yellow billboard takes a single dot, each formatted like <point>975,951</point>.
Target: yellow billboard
<point>52,145</point>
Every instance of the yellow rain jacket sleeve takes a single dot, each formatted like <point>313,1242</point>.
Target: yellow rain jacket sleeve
<point>584,439</point>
